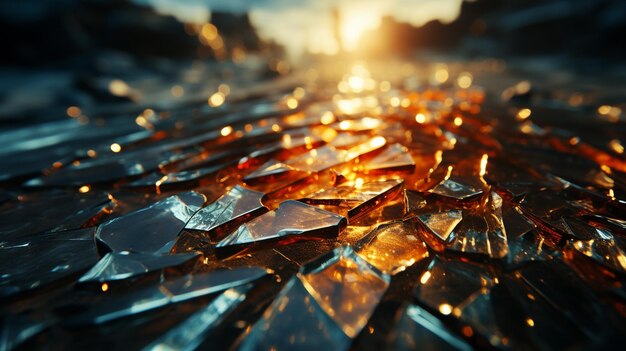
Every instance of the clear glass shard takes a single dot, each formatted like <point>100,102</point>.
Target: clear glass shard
<point>169,292</point>
<point>417,328</point>
<point>189,334</point>
<point>151,228</point>
<point>45,258</point>
<point>454,188</point>
<point>439,227</point>
<point>603,249</point>
<point>395,158</point>
<point>393,246</point>
<point>124,265</point>
<point>353,199</point>
<point>482,232</point>
<point>446,285</point>
<point>291,221</point>
<point>324,306</point>
<point>228,212</point>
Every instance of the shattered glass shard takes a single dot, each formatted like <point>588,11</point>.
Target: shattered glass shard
<point>228,212</point>
<point>353,199</point>
<point>124,265</point>
<point>292,221</point>
<point>445,284</point>
<point>417,328</point>
<point>393,246</point>
<point>45,258</point>
<point>169,292</point>
<point>482,232</point>
<point>152,228</point>
<point>439,227</point>
<point>603,249</point>
<point>189,334</point>
<point>323,307</point>
<point>455,189</point>
<point>395,158</point>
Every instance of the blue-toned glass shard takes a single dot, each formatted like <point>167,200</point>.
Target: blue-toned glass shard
<point>151,228</point>
<point>228,212</point>
<point>124,265</point>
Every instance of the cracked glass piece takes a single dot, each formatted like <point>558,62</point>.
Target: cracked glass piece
<point>228,212</point>
<point>445,284</point>
<point>602,248</point>
<point>353,199</point>
<point>395,158</point>
<point>291,221</point>
<point>152,228</point>
<point>482,232</point>
<point>455,189</point>
<point>416,328</point>
<point>439,227</point>
<point>311,161</point>
<point>77,210</point>
<point>324,306</point>
<point>393,246</point>
<point>45,258</point>
<point>123,265</point>
<point>189,334</point>
<point>169,292</point>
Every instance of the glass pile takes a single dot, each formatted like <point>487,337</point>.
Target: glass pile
<point>321,210</point>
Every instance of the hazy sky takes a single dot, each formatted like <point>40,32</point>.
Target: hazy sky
<point>307,25</point>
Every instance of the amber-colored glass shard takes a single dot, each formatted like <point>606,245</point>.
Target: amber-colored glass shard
<point>124,265</point>
<point>291,221</point>
<point>416,328</point>
<point>354,199</point>
<point>393,246</point>
<point>150,229</point>
<point>395,158</point>
<point>358,125</point>
<point>324,306</point>
<point>439,227</point>
<point>482,232</point>
<point>228,212</point>
<point>454,189</point>
<point>348,140</point>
